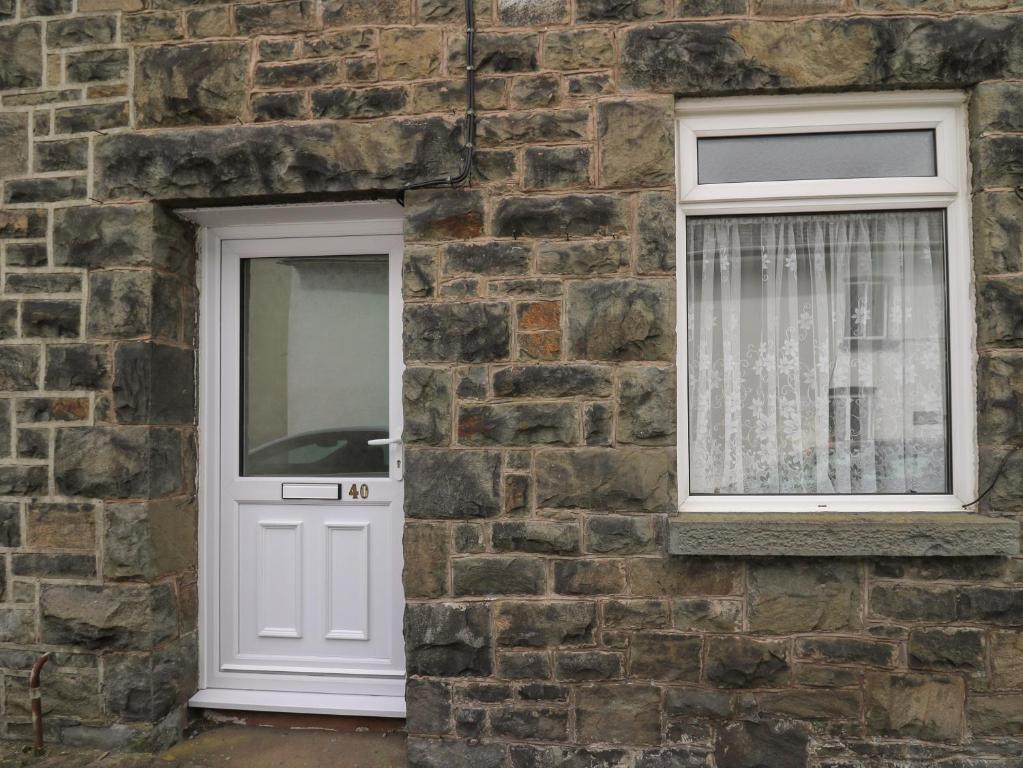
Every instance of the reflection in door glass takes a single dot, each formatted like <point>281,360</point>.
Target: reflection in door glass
<point>314,365</point>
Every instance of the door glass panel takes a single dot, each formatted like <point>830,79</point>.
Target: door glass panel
<point>314,366</point>
<point>789,157</point>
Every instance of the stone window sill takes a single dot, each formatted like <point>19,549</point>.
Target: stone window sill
<point>896,534</point>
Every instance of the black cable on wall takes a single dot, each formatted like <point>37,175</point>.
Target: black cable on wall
<point>470,114</point>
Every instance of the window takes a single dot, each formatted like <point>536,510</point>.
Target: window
<point>826,344</point>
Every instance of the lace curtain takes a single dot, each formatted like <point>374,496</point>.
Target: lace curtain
<point>817,354</point>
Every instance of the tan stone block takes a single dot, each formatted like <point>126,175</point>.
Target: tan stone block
<point>928,707</point>
<point>409,54</point>
<point>426,548</point>
<point>1007,659</point>
<point>87,6</point>
<point>996,715</point>
<point>61,526</point>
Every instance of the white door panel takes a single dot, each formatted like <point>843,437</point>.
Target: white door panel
<point>308,517</point>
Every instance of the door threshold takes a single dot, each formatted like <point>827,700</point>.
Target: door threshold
<point>350,705</point>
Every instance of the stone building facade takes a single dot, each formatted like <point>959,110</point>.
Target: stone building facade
<point>546,625</point>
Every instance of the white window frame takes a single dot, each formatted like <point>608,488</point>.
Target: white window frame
<point>942,111</point>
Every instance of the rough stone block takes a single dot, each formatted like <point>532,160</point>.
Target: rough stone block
<point>491,258</point>
<point>469,332</point>
<point>409,54</point>
<point>537,723</point>
<point>588,666</point>
<point>13,141</point>
<point>1006,650</point>
<point>91,118</point>
<point>618,713</point>
<point>19,367</point>
<point>497,575</point>
<point>665,657</point>
<point>349,13</point>
<point>767,744</point>
<point>519,424</point>
<point>589,577</point>
<point>996,715</point>
<point>536,537</point>
<point>47,189</point>
<point>451,484</point>
<point>627,480</point>
<point>579,49</point>
<point>745,662</point>
<point>97,66</point>
<point>635,141</point>
<point>448,639</point>
<point>429,707</point>
<point>505,128</point>
<point>827,705</point>
<point>646,406</point>
<point>565,216</point>
<point>430,753</point>
<point>706,614</point>
<point>22,63</point>
<point>154,384</point>
<point>927,707</point>
<point>143,541</point>
<point>552,381</point>
<point>76,366</point>
<point>848,650</point>
<point>1000,312</point>
<point>594,257</point>
<point>61,525</point>
<point>108,617</point>
<point>804,596</point>
<point>426,398</point>
<point>655,250</point>
<point>556,167</point>
<point>500,52</point>
<point>912,603</point>
<point>537,625</point>
<point>597,424</point>
<point>118,462</point>
<point>990,605</point>
<point>997,232</point>
<point>621,320</point>
<point>80,31</point>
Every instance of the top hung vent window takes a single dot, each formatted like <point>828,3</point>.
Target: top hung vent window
<point>826,282</point>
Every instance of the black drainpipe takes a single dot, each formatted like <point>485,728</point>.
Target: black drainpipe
<point>470,114</point>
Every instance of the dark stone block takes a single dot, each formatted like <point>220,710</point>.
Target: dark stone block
<point>54,566</point>
<point>154,384</point>
<point>27,254</point>
<point>848,650</point>
<point>448,639</point>
<point>594,478</point>
<point>77,366</point>
<point>504,128</point>
<point>619,535</point>
<point>91,117</point>
<point>43,282</point>
<point>276,18</point>
<point>51,319</point>
<point>1000,312</point>
<point>33,444</point>
<point>470,332</point>
<point>535,723</point>
<point>593,257</point>
<point>535,91</point>
<point>263,160</point>
<point>619,713</point>
<point>646,406</point>
<point>556,167</point>
<point>621,319</point>
<point>14,144</point>
<point>451,484</point>
<point>121,236</point>
<point>345,13</point>
<point>62,155</point>
<point>570,215</point>
<point>278,106</point>
<point>552,381</point>
<point>497,52</point>
<point>8,319</point>
<point>24,481</point>
<point>620,10</point>
<point>527,665</point>
<point>426,396</point>
<point>118,463</point>
<point>998,161</point>
<point>538,537</point>
<point>107,617</point>
<point>674,757</point>
<point>93,66</point>
<point>742,662</point>
<point>19,367</point>
<point>21,66</point>
<point>452,214</point>
<point>495,575</point>
<point>360,102</point>
<point>665,657</point>
<point>528,756</point>
<point>991,605</point>
<point>428,703</point>
<point>589,577</point>
<point>81,30</point>
<point>47,189</point>
<point>10,525</point>
<point>23,222</point>
<point>761,745</point>
<point>597,424</point>
<point>430,753</point>
<point>545,624</point>
<point>518,424</point>
<point>954,650</point>
<point>691,702</point>
<point>656,223</point>
<point>494,258</point>
<point>911,603</point>
<point>588,666</point>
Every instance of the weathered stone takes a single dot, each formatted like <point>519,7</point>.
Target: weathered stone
<point>408,54</point>
<point>597,424</point>
<point>545,624</point>
<point>48,189</point>
<point>19,367</point>
<point>91,117</point>
<point>13,141</point>
<point>26,254</point>
<point>72,695</point>
<point>517,495</point>
<point>626,480</point>
<point>426,397</point>
<point>996,715</point>
<point>588,577</point>
<point>60,565</point>
<point>76,366</point>
<point>8,319</point>
<point>321,72</point>
<point>635,141</point>
<point>429,707</point>
<point>453,214</point>
<point>579,49</point>
<point>552,381</point>
<point>430,753</point>
<point>927,707</point>
<point>526,665</point>
<point>497,52</point>
<point>744,662</point>
<point>994,107</point>
<point>693,702</point>
<point>81,30</point>
<point>448,639</point>
<point>646,405</point>
<point>1006,650</point>
<point>145,541</point>
<point>468,539</point>
<point>537,537</point>
<point>117,463</point>
<point>656,227</point>
<point>40,409</point>
<point>997,232</point>
<point>494,575</point>
<point>23,222</point>
<point>556,167</point>
<point>446,484</point>
<point>108,617</point>
<point>528,756</point>
<point>848,650</point>
<point>502,129</point>
<point>22,63</point>
<point>1000,397</point>
<point>635,614</point>
<point>538,316</point>
<point>471,332</point>
<point>130,304</point>
<point>665,657</point>
<point>449,95</point>
<point>583,257</point>
<point>588,666</point>
<point>61,155</point>
<point>706,614</point>
<point>810,705</point>
<point>990,605</point>
<point>535,91</point>
<point>197,84</point>
<point>519,424</point>
<point>424,544</point>
<point>275,18</point>
<point>278,106</point>
<point>619,10</point>
<point>1000,312</point>
<point>528,287</point>
<point>493,258</point>
<point>621,320</point>
<point>92,66</point>
<point>749,56</point>
<point>10,527</point>
<point>958,649</point>
<point>801,596</point>
<point>760,745</point>
<point>375,101</point>
<point>280,159</point>
<point>589,85</point>
<point>906,602</point>
<point>569,215</point>
<point>538,723</point>
<point>64,526</point>
<point>151,27</point>
<point>345,13</point>
<point>616,713</point>
<point>32,444</point>
<point>997,161</point>
<point>704,8</point>
<point>209,22</point>
<point>154,384</point>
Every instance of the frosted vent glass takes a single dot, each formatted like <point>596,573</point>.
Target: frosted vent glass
<point>789,157</point>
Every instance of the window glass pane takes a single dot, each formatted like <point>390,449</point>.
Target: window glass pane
<point>818,354</point>
<point>847,155</point>
<point>314,365</point>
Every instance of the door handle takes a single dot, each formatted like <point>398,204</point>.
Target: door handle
<point>399,473</point>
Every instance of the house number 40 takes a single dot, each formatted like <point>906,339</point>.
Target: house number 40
<point>359,492</point>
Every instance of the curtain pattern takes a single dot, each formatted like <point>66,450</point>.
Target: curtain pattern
<point>817,349</point>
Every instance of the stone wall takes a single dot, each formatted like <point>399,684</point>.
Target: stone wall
<point>546,626</point>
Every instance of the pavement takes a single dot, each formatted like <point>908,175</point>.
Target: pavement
<point>236,746</point>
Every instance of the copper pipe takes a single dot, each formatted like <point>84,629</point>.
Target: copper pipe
<point>37,703</point>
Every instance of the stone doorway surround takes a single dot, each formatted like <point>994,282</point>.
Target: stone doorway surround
<point>545,620</point>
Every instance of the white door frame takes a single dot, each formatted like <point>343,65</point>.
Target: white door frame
<point>249,222</point>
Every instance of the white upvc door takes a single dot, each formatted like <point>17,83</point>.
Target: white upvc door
<point>304,524</point>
